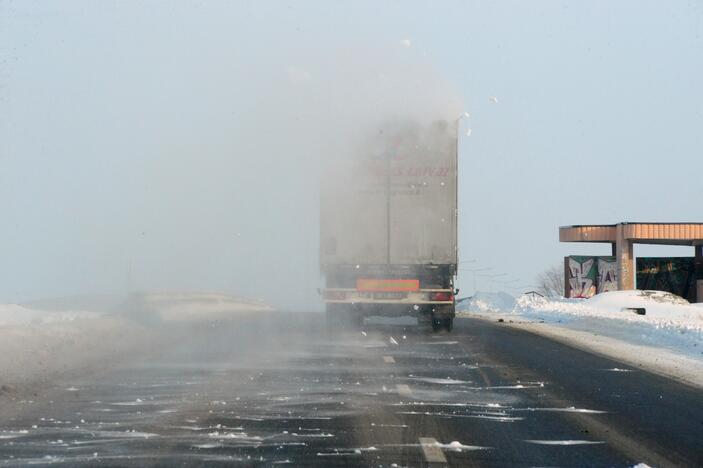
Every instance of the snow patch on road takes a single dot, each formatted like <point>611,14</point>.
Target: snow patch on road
<point>617,369</point>
<point>447,381</point>
<point>456,446</point>
<point>565,442</point>
<point>570,409</point>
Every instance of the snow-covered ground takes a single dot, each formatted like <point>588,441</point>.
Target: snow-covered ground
<point>13,314</point>
<point>45,338</point>
<point>38,345</point>
<point>670,326</point>
<point>487,302</point>
<point>167,306</point>
<point>669,321</point>
<point>193,306</point>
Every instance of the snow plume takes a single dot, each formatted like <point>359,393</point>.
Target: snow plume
<point>197,165</point>
<point>180,171</point>
<point>352,98</point>
<point>355,90</point>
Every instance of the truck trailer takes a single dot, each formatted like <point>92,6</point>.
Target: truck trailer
<point>388,226</point>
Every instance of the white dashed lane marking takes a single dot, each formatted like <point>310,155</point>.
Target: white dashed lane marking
<point>432,450</point>
<point>388,359</point>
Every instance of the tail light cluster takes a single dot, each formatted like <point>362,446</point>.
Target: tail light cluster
<point>442,296</point>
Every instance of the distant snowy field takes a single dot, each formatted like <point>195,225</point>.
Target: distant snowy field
<point>167,306</point>
<point>669,322</point>
<point>13,314</point>
<point>44,338</point>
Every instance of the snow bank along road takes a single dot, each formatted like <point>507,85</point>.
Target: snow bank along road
<point>667,340</point>
<point>277,389</point>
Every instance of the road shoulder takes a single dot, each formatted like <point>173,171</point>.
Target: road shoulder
<point>657,360</point>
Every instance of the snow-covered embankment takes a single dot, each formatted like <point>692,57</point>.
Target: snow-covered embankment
<point>42,341</point>
<point>667,338</point>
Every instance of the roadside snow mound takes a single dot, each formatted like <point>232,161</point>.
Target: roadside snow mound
<point>538,306</point>
<point>487,302</point>
<point>13,314</point>
<point>662,309</point>
<point>669,320</point>
<point>667,339</point>
<point>651,299</point>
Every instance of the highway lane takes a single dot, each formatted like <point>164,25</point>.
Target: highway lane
<point>278,389</point>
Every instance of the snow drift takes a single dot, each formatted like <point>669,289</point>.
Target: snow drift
<point>14,314</point>
<point>662,310</point>
<point>669,321</point>
<point>44,339</point>
<point>487,302</point>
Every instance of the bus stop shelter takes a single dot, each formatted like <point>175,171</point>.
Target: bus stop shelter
<point>623,236</point>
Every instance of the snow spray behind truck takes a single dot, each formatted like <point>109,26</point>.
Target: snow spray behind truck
<point>388,226</point>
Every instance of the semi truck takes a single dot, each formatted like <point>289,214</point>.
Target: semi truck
<point>388,226</point>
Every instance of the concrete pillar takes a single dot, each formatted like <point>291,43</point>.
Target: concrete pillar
<point>625,256</point>
<point>699,272</point>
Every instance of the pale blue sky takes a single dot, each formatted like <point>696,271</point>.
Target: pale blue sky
<point>172,140</point>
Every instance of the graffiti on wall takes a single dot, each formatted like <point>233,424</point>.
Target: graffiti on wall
<point>589,275</point>
<point>676,275</point>
<point>581,276</point>
<point>607,275</point>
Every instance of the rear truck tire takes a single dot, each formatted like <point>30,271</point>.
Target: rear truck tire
<point>340,317</point>
<point>355,319</point>
<point>331,318</point>
<point>449,323</point>
<point>335,316</point>
<point>443,317</point>
<point>424,316</point>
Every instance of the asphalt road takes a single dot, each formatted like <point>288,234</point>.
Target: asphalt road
<point>280,390</point>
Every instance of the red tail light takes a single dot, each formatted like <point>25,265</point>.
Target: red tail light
<point>442,296</point>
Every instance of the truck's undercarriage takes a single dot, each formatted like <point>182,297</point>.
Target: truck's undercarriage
<point>354,292</point>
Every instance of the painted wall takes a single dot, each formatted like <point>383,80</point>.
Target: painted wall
<point>607,275</point>
<point>586,276</point>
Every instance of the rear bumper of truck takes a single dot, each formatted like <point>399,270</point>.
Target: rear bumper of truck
<point>354,296</point>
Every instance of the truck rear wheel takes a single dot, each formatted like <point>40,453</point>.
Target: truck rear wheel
<point>343,317</point>
<point>331,319</point>
<point>440,321</point>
